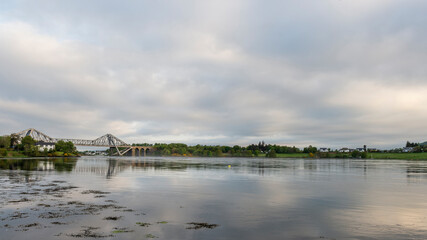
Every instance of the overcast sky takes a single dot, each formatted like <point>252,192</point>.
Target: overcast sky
<point>331,73</point>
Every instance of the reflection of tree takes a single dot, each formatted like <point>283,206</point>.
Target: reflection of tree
<point>18,164</point>
<point>64,164</point>
<point>57,164</point>
<point>416,171</point>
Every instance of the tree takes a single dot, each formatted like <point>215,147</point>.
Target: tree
<point>3,152</point>
<point>28,146</point>
<point>357,154</point>
<point>14,140</point>
<point>247,153</point>
<point>5,142</point>
<point>310,149</point>
<point>28,141</point>
<point>218,152</point>
<point>409,144</point>
<point>165,152</point>
<point>261,146</point>
<point>65,147</point>
<point>271,154</point>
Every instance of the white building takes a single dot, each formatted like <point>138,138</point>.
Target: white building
<point>344,150</point>
<point>407,149</point>
<point>45,145</point>
<point>323,150</point>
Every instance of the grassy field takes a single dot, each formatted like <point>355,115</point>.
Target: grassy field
<point>403,156</point>
<point>292,155</point>
<point>408,156</point>
<point>289,155</point>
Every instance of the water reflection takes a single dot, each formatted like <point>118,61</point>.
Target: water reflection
<point>57,164</point>
<point>110,167</point>
<point>248,198</point>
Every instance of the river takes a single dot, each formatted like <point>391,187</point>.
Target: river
<point>212,198</point>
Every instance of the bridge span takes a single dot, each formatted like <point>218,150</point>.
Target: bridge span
<point>108,140</point>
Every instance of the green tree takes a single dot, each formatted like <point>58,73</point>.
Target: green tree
<point>28,146</point>
<point>218,152</point>
<point>28,141</point>
<point>310,149</point>
<point>65,147</point>
<point>165,152</point>
<point>14,140</point>
<point>5,142</point>
<point>247,153</point>
<point>271,154</point>
<point>3,152</point>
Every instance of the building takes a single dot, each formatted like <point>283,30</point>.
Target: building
<point>407,149</point>
<point>45,145</point>
<point>323,150</point>
<point>345,150</point>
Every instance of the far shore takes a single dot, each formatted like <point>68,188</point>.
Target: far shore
<point>331,155</point>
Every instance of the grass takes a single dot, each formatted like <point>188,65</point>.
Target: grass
<point>402,156</point>
<point>288,155</point>
<point>143,224</point>
<point>150,236</point>
<point>406,156</point>
<point>292,155</point>
<point>13,154</point>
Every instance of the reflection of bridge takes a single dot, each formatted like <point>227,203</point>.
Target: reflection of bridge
<point>108,140</point>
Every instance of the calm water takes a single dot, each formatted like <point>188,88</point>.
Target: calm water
<point>156,198</point>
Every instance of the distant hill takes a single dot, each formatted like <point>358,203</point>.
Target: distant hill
<point>423,144</point>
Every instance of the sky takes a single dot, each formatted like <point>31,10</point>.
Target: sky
<point>328,73</point>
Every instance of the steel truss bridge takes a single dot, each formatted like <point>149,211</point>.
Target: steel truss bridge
<point>108,140</point>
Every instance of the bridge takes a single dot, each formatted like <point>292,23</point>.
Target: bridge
<point>108,140</point>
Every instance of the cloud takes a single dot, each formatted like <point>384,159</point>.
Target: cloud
<point>330,73</point>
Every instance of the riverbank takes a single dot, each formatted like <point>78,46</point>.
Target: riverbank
<point>16,154</point>
<point>400,156</point>
<point>397,156</point>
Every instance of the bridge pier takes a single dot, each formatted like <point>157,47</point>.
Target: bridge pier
<point>138,151</point>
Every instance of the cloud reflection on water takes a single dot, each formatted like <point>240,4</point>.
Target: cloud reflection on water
<point>263,198</point>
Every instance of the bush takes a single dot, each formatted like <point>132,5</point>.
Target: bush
<point>357,154</point>
<point>5,142</point>
<point>271,154</point>
<point>247,153</point>
<point>58,154</point>
<point>3,152</point>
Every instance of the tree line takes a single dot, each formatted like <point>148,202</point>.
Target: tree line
<point>253,150</point>
<point>12,146</point>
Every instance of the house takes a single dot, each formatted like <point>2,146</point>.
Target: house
<point>360,149</point>
<point>323,150</point>
<point>45,145</point>
<point>344,150</point>
<point>407,149</point>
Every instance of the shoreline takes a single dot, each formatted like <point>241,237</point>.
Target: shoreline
<point>371,156</point>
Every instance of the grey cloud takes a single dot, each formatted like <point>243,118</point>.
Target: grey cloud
<point>217,72</point>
